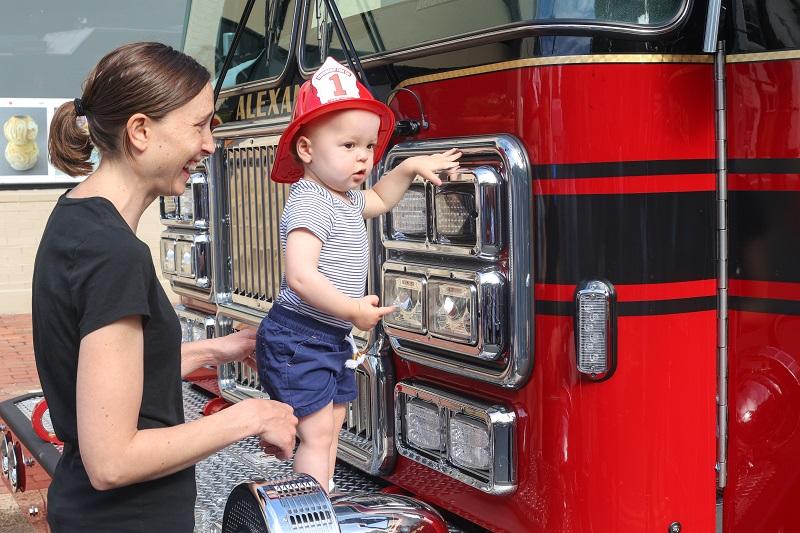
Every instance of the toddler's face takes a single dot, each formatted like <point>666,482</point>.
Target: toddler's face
<point>340,149</point>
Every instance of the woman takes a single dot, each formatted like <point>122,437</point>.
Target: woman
<point>106,339</point>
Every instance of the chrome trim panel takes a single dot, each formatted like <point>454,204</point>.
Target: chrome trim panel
<point>507,153</point>
<point>189,317</point>
<point>501,478</point>
<point>712,26</point>
<point>489,188</point>
<point>720,101</point>
<point>199,220</point>
<point>199,280</point>
<point>239,380</point>
<point>492,310</point>
<point>367,439</point>
<point>485,36</point>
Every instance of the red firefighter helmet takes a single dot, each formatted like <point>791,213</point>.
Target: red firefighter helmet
<point>332,88</point>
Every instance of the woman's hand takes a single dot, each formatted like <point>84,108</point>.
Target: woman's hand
<point>275,425</point>
<point>236,346</point>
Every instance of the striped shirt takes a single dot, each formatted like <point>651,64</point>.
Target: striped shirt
<point>344,255</point>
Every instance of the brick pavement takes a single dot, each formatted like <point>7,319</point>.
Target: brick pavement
<point>17,376</point>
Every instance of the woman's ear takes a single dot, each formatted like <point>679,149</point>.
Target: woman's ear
<point>303,149</point>
<point>138,131</point>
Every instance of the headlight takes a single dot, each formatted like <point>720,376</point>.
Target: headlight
<point>455,214</point>
<point>190,209</point>
<point>184,252</point>
<point>408,219</point>
<point>187,203</point>
<point>169,207</point>
<point>462,217</point>
<point>186,261</point>
<point>423,425</point>
<point>199,331</point>
<point>168,256</point>
<point>452,311</point>
<point>465,438</point>
<point>186,332</point>
<point>195,325</point>
<point>407,294</point>
<point>451,308</point>
<point>470,444</point>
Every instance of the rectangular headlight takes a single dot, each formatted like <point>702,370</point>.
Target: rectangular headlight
<point>186,259</point>
<point>184,254</point>
<point>191,208</point>
<point>452,310</point>
<point>455,214</point>
<point>169,208</point>
<point>470,443</point>
<point>168,256</point>
<point>195,325</point>
<point>463,437</point>
<point>187,203</point>
<point>407,294</point>
<point>423,425</point>
<point>408,219</point>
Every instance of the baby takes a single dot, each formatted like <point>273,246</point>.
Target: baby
<point>337,133</point>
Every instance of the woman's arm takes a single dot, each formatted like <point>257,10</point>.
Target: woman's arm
<point>116,453</point>
<point>237,346</point>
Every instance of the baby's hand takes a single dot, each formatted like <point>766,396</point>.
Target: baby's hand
<point>430,166</point>
<point>367,313</point>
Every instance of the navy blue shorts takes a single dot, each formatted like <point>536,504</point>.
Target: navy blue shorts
<point>301,361</point>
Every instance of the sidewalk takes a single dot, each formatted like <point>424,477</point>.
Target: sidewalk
<point>17,376</point>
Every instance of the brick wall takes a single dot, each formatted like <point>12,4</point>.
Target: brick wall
<point>23,215</point>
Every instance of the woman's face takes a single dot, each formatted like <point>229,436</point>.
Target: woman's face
<point>180,140</point>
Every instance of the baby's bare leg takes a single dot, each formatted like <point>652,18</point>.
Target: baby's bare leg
<point>339,410</point>
<point>313,453</point>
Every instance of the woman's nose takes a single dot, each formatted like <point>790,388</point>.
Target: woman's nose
<point>208,142</point>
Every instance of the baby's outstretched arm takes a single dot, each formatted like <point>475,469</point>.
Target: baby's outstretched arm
<point>394,184</point>
<point>304,278</point>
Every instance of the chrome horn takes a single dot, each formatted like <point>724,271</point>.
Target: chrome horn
<point>299,503</point>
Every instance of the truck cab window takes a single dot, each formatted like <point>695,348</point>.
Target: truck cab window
<point>380,26</point>
<point>250,62</point>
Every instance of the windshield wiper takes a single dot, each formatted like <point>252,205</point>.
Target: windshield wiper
<point>234,45</point>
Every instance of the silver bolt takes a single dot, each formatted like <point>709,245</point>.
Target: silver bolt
<point>33,510</point>
<point>675,527</point>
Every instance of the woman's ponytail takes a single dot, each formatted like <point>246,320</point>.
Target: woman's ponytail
<point>69,143</point>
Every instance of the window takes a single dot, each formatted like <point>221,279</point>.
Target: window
<point>221,18</point>
<point>377,26</point>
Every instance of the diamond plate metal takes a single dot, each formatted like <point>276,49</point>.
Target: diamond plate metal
<point>27,407</point>
<point>242,461</point>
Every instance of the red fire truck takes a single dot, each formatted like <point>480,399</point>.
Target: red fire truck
<point>598,325</point>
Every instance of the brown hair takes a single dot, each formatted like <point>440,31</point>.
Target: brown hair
<point>148,78</point>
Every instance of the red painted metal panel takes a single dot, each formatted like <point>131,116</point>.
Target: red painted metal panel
<point>764,444</point>
<point>763,103</point>
<point>636,452</point>
<point>764,380</point>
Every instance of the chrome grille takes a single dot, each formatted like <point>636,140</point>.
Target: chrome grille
<point>254,204</point>
<point>358,419</point>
